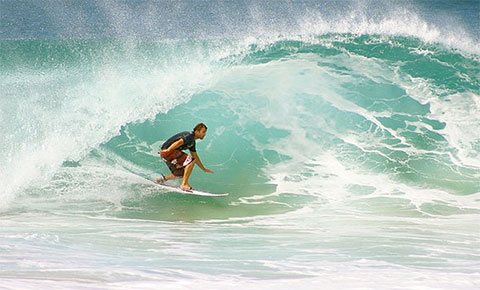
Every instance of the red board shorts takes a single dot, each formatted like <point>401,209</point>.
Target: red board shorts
<point>176,161</point>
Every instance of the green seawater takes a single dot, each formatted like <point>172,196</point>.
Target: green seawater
<point>342,153</point>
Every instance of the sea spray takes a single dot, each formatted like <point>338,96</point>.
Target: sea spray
<point>345,132</point>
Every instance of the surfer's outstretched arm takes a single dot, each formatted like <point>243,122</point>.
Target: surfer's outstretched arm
<point>199,163</point>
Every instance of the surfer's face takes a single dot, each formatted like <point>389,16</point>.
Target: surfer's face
<point>200,134</point>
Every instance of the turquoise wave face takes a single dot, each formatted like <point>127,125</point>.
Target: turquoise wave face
<point>346,133</point>
<point>376,116</point>
<point>286,119</point>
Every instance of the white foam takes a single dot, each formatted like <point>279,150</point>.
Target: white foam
<point>459,111</point>
<point>283,86</point>
<point>400,22</point>
<point>88,113</point>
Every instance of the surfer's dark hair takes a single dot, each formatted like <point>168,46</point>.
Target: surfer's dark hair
<point>199,126</point>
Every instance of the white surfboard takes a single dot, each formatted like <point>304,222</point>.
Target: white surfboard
<point>193,191</point>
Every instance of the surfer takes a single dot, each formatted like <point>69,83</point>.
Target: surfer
<point>179,162</point>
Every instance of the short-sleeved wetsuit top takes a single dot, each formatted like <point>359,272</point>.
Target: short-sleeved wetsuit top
<point>188,141</point>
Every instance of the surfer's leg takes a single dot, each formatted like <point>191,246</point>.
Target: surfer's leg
<point>176,172</point>
<point>161,179</point>
<point>170,177</point>
<point>186,175</point>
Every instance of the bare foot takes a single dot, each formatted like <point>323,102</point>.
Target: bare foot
<point>186,187</point>
<point>160,179</point>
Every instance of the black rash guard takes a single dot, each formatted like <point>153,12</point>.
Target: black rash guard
<point>188,141</point>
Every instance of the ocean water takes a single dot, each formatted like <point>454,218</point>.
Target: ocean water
<point>346,132</point>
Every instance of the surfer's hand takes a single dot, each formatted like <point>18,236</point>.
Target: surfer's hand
<point>163,152</point>
<point>208,170</point>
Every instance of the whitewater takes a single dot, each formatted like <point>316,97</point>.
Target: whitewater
<point>346,132</point>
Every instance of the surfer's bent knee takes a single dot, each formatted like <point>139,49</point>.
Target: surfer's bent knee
<point>193,162</point>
